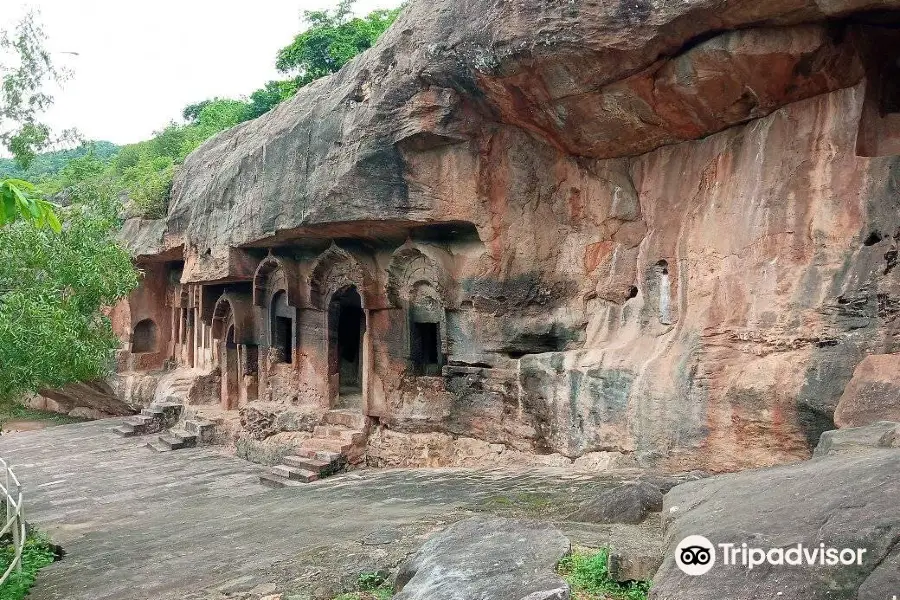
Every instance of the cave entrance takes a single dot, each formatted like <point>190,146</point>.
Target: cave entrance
<point>347,324</point>
<point>145,337</point>
<point>230,382</point>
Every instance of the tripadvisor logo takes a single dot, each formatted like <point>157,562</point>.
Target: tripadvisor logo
<point>696,555</point>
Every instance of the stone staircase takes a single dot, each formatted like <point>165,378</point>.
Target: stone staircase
<point>180,385</point>
<point>338,443</point>
<point>188,434</point>
<point>152,419</point>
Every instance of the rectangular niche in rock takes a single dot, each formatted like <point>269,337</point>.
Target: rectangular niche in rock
<point>283,331</point>
<point>426,348</point>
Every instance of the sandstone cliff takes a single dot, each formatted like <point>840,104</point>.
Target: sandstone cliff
<point>669,228</point>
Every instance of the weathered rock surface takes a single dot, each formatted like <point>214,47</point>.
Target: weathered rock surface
<point>873,394</point>
<point>649,228</point>
<point>841,501</point>
<point>92,400</point>
<point>856,440</point>
<point>629,502</point>
<point>487,558</point>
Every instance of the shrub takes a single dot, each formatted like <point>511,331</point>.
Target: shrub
<point>587,573</point>
<point>37,554</point>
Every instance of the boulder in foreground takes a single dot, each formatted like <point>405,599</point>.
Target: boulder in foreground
<point>843,502</point>
<point>488,559</point>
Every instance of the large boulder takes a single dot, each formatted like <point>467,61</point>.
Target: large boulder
<point>842,502</point>
<point>90,399</point>
<point>487,559</point>
<point>627,502</point>
<point>873,393</point>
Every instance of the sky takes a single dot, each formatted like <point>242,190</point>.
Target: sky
<point>140,63</point>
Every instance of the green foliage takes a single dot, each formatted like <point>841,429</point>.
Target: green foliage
<point>19,200</point>
<point>370,586</point>
<point>144,172</point>
<point>37,553</point>
<point>16,412</point>
<point>149,185</point>
<point>274,93</point>
<point>587,573</point>
<point>53,287</point>
<point>332,39</point>
<point>49,164</point>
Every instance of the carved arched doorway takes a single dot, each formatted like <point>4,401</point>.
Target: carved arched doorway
<point>346,327</point>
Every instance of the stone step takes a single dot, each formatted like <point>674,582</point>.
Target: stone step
<point>176,440</point>
<point>316,445</point>
<point>125,430</point>
<point>352,419</point>
<point>286,472</point>
<point>269,480</point>
<point>339,433</point>
<point>321,467</point>
<point>139,419</point>
<point>158,446</point>
<point>204,430</point>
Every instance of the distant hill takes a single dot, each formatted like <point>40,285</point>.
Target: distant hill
<point>49,164</point>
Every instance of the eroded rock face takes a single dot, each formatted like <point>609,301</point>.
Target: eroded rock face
<point>630,229</point>
<point>842,501</point>
<point>496,558</point>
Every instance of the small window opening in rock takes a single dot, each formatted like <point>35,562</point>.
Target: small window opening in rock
<point>282,341</point>
<point>632,292</point>
<point>426,348</point>
<point>873,238</point>
<point>665,291</point>
<point>516,354</point>
<point>145,337</point>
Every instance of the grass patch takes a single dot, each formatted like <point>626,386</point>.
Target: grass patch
<point>17,412</point>
<point>37,554</point>
<point>370,586</point>
<point>587,573</point>
<point>531,504</point>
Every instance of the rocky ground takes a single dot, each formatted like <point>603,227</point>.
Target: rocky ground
<point>195,524</point>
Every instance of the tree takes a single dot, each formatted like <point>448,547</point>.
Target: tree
<point>54,280</point>
<point>274,93</point>
<point>19,200</point>
<point>26,71</point>
<point>53,287</point>
<point>332,39</point>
